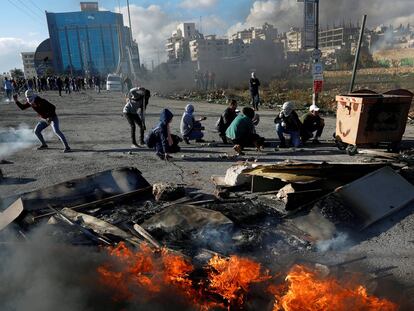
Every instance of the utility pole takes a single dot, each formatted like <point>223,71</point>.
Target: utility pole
<point>358,51</point>
<point>129,19</point>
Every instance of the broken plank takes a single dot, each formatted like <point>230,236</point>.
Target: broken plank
<point>146,235</point>
<point>11,213</point>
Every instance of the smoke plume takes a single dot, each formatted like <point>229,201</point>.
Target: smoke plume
<point>14,139</point>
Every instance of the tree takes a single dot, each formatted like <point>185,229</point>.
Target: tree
<point>16,73</point>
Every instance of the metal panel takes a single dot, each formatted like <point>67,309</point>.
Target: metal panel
<point>377,195</point>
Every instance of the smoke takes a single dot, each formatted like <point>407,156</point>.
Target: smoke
<point>14,139</point>
<point>288,13</point>
<point>339,241</point>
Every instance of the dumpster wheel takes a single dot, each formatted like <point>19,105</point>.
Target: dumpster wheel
<point>339,144</point>
<point>351,150</point>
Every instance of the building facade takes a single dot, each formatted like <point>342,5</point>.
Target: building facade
<point>177,46</point>
<point>89,41</point>
<point>29,64</point>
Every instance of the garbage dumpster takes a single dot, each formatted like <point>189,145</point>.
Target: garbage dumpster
<point>368,118</point>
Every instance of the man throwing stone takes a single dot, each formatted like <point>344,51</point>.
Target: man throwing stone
<point>47,113</point>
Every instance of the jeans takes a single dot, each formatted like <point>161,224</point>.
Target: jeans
<point>132,120</point>
<point>9,94</point>
<point>255,101</point>
<point>294,135</point>
<point>196,133</point>
<point>54,122</point>
<point>307,133</point>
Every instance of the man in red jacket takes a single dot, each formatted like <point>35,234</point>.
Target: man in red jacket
<point>47,112</point>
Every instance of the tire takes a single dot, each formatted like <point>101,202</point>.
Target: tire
<point>351,150</point>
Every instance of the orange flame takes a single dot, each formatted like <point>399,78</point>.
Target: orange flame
<point>232,277</point>
<point>308,292</point>
<point>146,272</point>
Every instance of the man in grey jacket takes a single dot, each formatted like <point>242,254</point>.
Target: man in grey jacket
<point>190,128</point>
<point>135,102</point>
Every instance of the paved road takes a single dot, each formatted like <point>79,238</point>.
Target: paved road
<point>99,136</point>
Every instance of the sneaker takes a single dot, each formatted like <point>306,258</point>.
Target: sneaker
<point>42,147</point>
<point>186,140</point>
<point>238,149</point>
<point>200,140</point>
<point>67,150</point>
<point>134,146</point>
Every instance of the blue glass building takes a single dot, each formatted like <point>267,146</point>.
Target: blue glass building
<point>88,41</point>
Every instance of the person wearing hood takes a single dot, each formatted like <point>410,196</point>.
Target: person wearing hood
<point>161,139</point>
<point>312,122</point>
<point>226,119</point>
<point>47,113</point>
<point>190,128</point>
<point>287,122</point>
<point>242,132</point>
<point>254,91</point>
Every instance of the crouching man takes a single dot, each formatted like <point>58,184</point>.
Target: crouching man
<point>190,128</point>
<point>287,122</point>
<point>47,112</point>
<point>161,139</point>
<point>312,122</point>
<point>242,132</point>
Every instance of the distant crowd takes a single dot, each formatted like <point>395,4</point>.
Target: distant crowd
<point>61,84</point>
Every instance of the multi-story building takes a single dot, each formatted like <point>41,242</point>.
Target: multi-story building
<point>338,37</point>
<point>294,40</point>
<point>208,48</point>
<point>266,32</point>
<point>28,64</point>
<point>91,41</point>
<point>177,46</point>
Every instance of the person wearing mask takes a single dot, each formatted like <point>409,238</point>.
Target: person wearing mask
<point>226,119</point>
<point>135,101</point>
<point>287,122</point>
<point>312,122</point>
<point>190,128</point>
<point>8,88</point>
<point>160,138</point>
<point>254,91</point>
<point>242,132</point>
<point>47,113</point>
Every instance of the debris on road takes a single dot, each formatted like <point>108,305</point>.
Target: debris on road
<point>167,191</point>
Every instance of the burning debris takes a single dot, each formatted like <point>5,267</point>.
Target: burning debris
<point>237,252</point>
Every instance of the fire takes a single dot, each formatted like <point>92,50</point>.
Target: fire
<point>145,273</point>
<point>231,277</point>
<point>145,270</point>
<point>306,291</point>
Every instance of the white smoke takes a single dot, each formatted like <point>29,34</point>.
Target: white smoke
<point>13,140</point>
<point>340,241</point>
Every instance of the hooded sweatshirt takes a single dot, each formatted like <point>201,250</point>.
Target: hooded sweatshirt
<point>162,130</point>
<point>43,108</point>
<point>187,121</point>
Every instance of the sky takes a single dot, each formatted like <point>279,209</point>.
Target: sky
<point>23,22</point>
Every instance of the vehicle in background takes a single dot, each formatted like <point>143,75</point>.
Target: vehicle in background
<point>113,83</point>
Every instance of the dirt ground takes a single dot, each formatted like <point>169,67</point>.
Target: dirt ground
<point>100,139</point>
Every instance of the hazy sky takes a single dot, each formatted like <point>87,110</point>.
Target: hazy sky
<point>23,22</point>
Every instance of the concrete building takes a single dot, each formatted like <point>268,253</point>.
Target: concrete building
<point>177,46</point>
<point>29,64</point>
<point>266,32</point>
<point>91,42</point>
<point>338,37</point>
<point>294,40</point>
<point>208,48</point>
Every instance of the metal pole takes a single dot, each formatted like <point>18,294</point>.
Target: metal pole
<point>358,51</point>
<point>129,18</point>
<point>315,95</point>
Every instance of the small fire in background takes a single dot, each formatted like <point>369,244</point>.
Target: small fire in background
<point>145,273</point>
